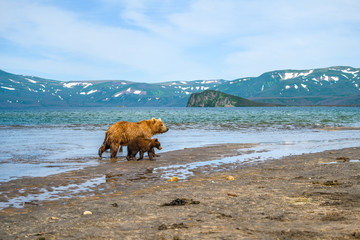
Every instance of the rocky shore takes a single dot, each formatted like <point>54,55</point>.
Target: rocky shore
<point>311,196</point>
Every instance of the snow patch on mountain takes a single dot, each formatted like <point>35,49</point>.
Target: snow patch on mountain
<point>291,75</point>
<point>73,84</point>
<point>202,88</point>
<point>117,94</point>
<point>92,91</point>
<point>329,78</point>
<point>89,92</point>
<point>208,81</point>
<point>350,72</point>
<point>14,81</point>
<point>243,79</point>
<point>129,91</point>
<point>8,88</point>
<point>32,90</point>
<point>305,86</point>
<point>30,80</point>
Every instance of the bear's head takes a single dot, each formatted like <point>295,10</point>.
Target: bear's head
<point>158,126</point>
<point>156,143</point>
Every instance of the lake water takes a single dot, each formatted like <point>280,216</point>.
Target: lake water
<point>40,142</point>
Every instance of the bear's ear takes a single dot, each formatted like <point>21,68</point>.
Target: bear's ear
<point>155,139</point>
<point>153,119</point>
<point>160,119</point>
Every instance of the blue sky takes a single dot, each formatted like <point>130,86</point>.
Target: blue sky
<point>166,40</point>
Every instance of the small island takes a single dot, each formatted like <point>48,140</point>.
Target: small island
<point>211,98</point>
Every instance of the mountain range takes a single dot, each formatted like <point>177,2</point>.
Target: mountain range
<point>338,85</point>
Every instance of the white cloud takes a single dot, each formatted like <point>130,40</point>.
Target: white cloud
<point>59,31</point>
<point>168,40</point>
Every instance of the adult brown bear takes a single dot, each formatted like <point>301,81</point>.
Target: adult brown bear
<point>120,133</point>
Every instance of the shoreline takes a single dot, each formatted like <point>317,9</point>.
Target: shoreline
<point>309,196</point>
<point>108,175</point>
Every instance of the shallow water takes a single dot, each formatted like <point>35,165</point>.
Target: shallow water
<point>273,145</point>
<point>42,142</point>
<point>38,142</point>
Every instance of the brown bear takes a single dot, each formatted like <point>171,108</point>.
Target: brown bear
<point>120,133</point>
<point>142,145</point>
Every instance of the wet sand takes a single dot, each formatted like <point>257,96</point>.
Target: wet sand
<point>310,196</point>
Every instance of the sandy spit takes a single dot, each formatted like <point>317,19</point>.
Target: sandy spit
<point>311,196</point>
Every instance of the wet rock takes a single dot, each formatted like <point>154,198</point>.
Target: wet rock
<point>181,202</point>
<point>343,159</point>
<point>299,177</point>
<point>112,179</point>
<point>172,226</point>
<point>279,217</point>
<point>115,205</point>
<point>179,225</point>
<point>33,203</point>
<point>356,234</point>
<point>162,227</point>
<point>331,203</point>
<point>223,215</point>
<point>232,195</point>
<point>110,175</point>
<point>327,183</point>
<point>331,183</point>
<point>333,217</point>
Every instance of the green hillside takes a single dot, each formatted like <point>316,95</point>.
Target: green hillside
<point>211,98</point>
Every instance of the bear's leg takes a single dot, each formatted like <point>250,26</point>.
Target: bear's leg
<point>120,150</point>
<point>154,154</point>
<point>141,155</point>
<point>102,149</point>
<point>113,149</point>
<point>131,155</point>
<point>151,155</point>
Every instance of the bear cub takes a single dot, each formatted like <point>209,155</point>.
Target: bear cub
<point>142,145</point>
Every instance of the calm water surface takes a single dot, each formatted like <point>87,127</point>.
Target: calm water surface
<point>39,142</point>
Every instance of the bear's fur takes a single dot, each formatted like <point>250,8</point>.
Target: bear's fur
<point>120,133</point>
<point>142,145</point>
